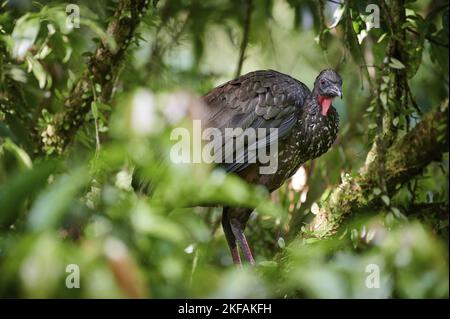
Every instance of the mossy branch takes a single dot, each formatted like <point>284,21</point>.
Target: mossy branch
<point>102,71</point>
<point>406,158</point>
<point>392,161</point>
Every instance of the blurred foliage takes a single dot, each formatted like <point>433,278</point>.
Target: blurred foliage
<point>90,206</point>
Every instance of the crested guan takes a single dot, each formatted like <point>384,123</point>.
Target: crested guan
<point>306,123</point>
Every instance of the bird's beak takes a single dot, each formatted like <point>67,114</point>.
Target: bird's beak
<point>337,91</point>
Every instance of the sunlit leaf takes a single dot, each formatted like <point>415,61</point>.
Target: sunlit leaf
<point>396,64</point>
<point>337,15</point>
<point>24,35</point>
<point>38,71</point>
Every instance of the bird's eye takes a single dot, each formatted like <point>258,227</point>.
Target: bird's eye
<point>322,82</point>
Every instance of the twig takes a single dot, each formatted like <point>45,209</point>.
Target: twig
<point>413,100</point>
<point>336,2</point>
<point>176,36</point>
<point>97,133</point>
<point>390,21</point>
<point>370,66</point>
<point>426,209</point>
<point>244,43</point>
<point>428,38</point>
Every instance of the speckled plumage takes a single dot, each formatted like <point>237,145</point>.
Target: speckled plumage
<point>270,99</point>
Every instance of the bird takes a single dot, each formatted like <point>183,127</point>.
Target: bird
<point>305,121</point>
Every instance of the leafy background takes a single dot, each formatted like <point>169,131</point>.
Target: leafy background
<point>116,206</point>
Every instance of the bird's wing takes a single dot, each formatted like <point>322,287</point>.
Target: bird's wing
<point>260,99</point>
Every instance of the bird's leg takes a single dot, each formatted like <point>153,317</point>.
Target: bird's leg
<point>231,239</point>
<point>238,231</point>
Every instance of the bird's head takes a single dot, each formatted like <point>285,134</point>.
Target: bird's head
<point>328,85</point>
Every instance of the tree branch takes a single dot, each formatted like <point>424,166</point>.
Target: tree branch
<point>406,158</point>
<point>102,69</point>
<point>244,43</point>
<point>421,210</point>
<point>429,38</point>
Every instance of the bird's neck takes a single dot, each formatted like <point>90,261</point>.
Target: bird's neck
<point>324,102</point>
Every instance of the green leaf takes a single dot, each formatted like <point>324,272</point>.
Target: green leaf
<point>325,194</point>
<point>397,212</point>
<point>362,35</point>
<point>49,208</point>
<point>19,153</point>
<point>24,35</point>
<point>382,37</point>
<point>354,237</point>
<point>281,243</point>
<point>355,25</point>
<point>439,54</point>
<point>383,99</point>
<point>147,220</point>
<point>44,52</point>
<point>311,240</point>
<point>386,200</point>
<point>20,187</point>
<point>94,109</point>
<point>395,121</point>
<point>38,71</point>
<point>390,219</point>
<point>430,197</point>
<point>102,34</point>
<point>59,17</point>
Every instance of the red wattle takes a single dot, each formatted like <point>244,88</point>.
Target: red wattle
<point>325,102</point>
